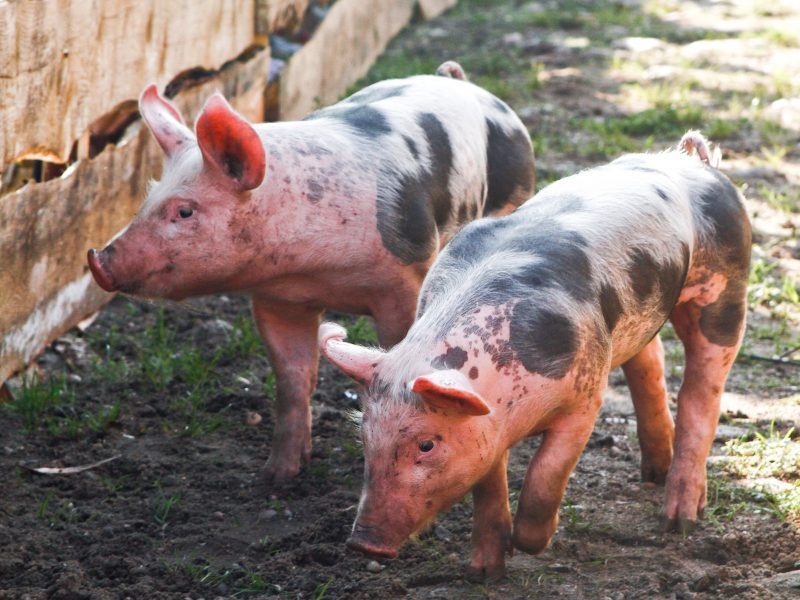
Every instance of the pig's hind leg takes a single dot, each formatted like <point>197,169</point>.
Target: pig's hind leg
<point>290,334</point>
<point>711,335</point>
<point>645,376</point>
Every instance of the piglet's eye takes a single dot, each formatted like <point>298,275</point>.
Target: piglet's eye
<point>426,446</point>
<point>185,212</point>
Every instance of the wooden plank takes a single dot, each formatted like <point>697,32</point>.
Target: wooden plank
<point>47,228</point>
<point>63,63</point>
<point>350,38</point>
<point>431,9</point>
<point>278,15</point>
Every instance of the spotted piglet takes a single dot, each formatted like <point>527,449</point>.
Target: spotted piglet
<point>344,210</point>
<point>520,321</point>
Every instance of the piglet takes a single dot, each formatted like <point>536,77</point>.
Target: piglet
<point>519,322</point>
<point>344,210</point>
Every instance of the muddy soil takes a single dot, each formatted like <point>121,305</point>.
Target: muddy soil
<point>174,393</point>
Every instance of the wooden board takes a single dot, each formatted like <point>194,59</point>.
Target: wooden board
<point>352,36</point>
<point>47,228</point>
<point>433,8</point>
<point>64,63</point>
<point>278,15</point>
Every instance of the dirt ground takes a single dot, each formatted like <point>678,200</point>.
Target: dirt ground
<point>172,392</point>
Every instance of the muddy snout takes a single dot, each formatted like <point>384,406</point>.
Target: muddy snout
<point>367,540</point>
<point>98,266</point>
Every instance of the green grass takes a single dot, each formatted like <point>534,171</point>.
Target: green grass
<point>770,288</point>
<point>52,405</point>
<point>362,332</point>
<point>164,506</point>
<point>37,398</point>
<point>240,581</point>
<point>766,471</point>
<point>245,341</point>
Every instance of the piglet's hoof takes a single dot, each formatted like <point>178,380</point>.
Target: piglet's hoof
<point>486,573</point>
<point>275,472</point>
<point>680,525</point>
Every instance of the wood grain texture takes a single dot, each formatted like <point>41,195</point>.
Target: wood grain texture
<point>352,36</point>
<point>63,63</point>
<point>433,8</point>
<point>47,228</point>
<point>278,15</point>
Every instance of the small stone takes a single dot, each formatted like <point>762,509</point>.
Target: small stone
<point>267,514</point>
<point>442,533</point>
<point>453,557</point>
<point>218,514</point>
<point>252,418</point>
<point>559,568</point>
<point>287,513</point>
<point>374,566</point>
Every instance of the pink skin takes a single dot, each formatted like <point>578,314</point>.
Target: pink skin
<point>230,214</point>
<point>474,414</point>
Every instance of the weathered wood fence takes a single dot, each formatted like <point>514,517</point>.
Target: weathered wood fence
<point>74,157</point>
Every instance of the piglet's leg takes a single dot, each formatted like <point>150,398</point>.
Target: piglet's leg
<point>645,375</point>
<point>394,312</point>
<point>537,513</point>
<point>707,367</point>
<point>290,334</point>
<point>491,525</point>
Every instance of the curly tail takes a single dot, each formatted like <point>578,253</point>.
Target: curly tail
<point>693,142</point>
<point>452,69</point>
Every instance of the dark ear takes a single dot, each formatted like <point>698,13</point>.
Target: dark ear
<point>230,144</point>
<point>164,121</point>
<point>450,390</point>
<point>356,361</point>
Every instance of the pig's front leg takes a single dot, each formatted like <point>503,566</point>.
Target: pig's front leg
<point>547,476</point>
<point>290,334</point>
<point>491,524</point>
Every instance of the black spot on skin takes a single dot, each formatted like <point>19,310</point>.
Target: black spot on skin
<point>559,258</point>
<point>454,358</point>
<point>315,191</point>
<point>411,206</point>
<point>368,121</point>
<point>642,271</point>
<point>441,163</point>
<point>412,146</point>
<point>671,278</point>
<point>726,213</point>
<point>510,170</point>
<point>611,306</point>
<point>544,341</point>
<point>232,166</point>
<point>473,373</point>
<point>376,93</point>
<point>500,105</point>
<point>722,320</point>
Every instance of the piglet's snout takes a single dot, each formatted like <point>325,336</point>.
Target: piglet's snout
<point>366,539</point>
<point>97,265</point>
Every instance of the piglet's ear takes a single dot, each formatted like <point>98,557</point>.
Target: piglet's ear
<point>356,361</point>
<point>450,390</point>
<point>164,121</point>
<point>230,144</point>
